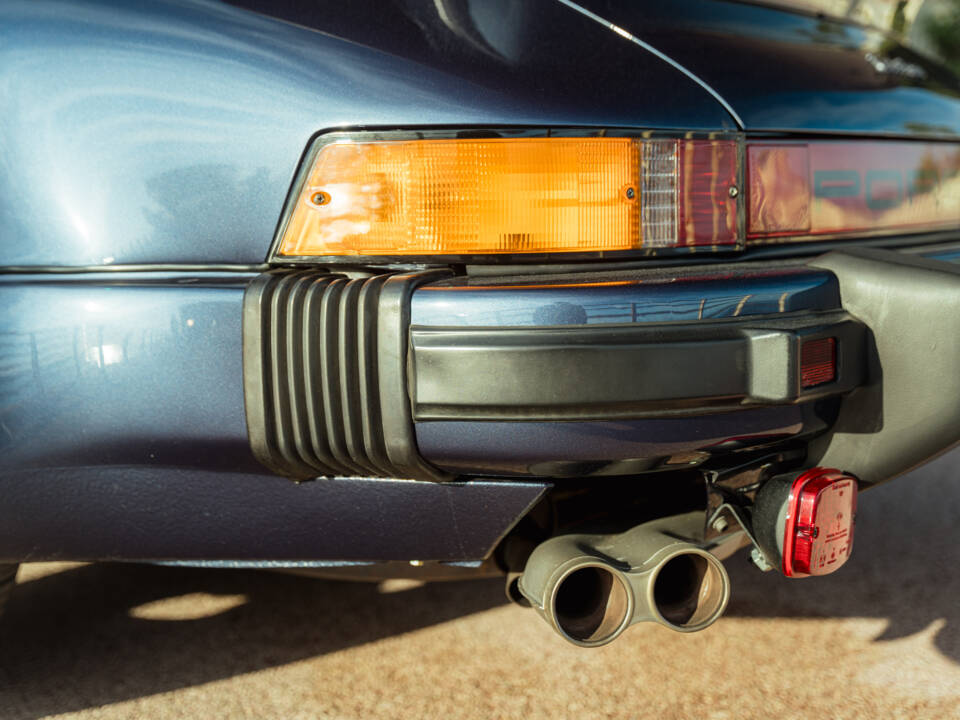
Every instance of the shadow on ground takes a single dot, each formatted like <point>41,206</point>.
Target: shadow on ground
<point>74,629</point>
<point>905,567</point>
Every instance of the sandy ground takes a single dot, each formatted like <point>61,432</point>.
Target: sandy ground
<point>881,639</point>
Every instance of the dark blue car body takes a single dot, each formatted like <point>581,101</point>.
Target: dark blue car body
<point>148,152</point>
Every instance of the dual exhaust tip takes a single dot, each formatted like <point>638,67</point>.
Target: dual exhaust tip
<point>590,588</point>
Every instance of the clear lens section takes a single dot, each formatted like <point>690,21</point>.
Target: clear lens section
<point>687,198</point>
<point>659,193</point>
<point>513,195</point>
<point>805,190</point>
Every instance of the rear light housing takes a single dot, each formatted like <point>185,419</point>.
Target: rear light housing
<point>513,196</point>
<point>385,196</point>
<point>803,522</point>
<point>818,528</point>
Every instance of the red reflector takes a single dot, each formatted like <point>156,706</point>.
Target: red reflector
<point>818,533</point>
<point>707,209</point>
<point>818,362</point>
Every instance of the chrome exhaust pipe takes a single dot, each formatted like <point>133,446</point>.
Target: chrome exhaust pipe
<point>590,588</point>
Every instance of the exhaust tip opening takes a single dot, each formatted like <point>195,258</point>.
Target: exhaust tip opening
<point>690,591</point>
<point>592,605</point>
<point>514,593</point>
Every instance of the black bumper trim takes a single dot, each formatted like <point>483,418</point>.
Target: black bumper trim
<point>623,371</point>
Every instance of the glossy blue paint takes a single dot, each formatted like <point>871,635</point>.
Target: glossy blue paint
<point>784,70</point>
<point>151,513</point>
<point>628,299</point>
<point>951,254</point>
<point>122,436</point>
<point>169,132</point>
<point>778,69</point>
<point>128,370</point>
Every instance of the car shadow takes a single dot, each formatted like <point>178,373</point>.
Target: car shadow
<point>82,628</point>
<point>81,638</point>
<point>904,568</point>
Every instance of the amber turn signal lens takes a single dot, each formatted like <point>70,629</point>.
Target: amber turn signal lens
<point>468,197</point>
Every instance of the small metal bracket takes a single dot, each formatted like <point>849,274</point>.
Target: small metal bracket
<point>730,493</point>
<point>759,560</point>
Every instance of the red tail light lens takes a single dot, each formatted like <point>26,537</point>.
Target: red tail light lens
<point>708,209</point>
<point>818,532</point>
<point>813,189</point>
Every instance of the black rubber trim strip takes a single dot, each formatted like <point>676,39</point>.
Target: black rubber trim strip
<point>620,260</point>
<point>256,371</point>
<point>623,371</point>
<point>515,265</point>
<point>374,445</point>
<point>392,344</point>
<point>320,398</point>
<point>313,385</point>
<point>330,373</point>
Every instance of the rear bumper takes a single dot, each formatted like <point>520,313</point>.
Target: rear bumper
<point>432,378</point>
<point>128,391</point>
<point>411,375</point>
